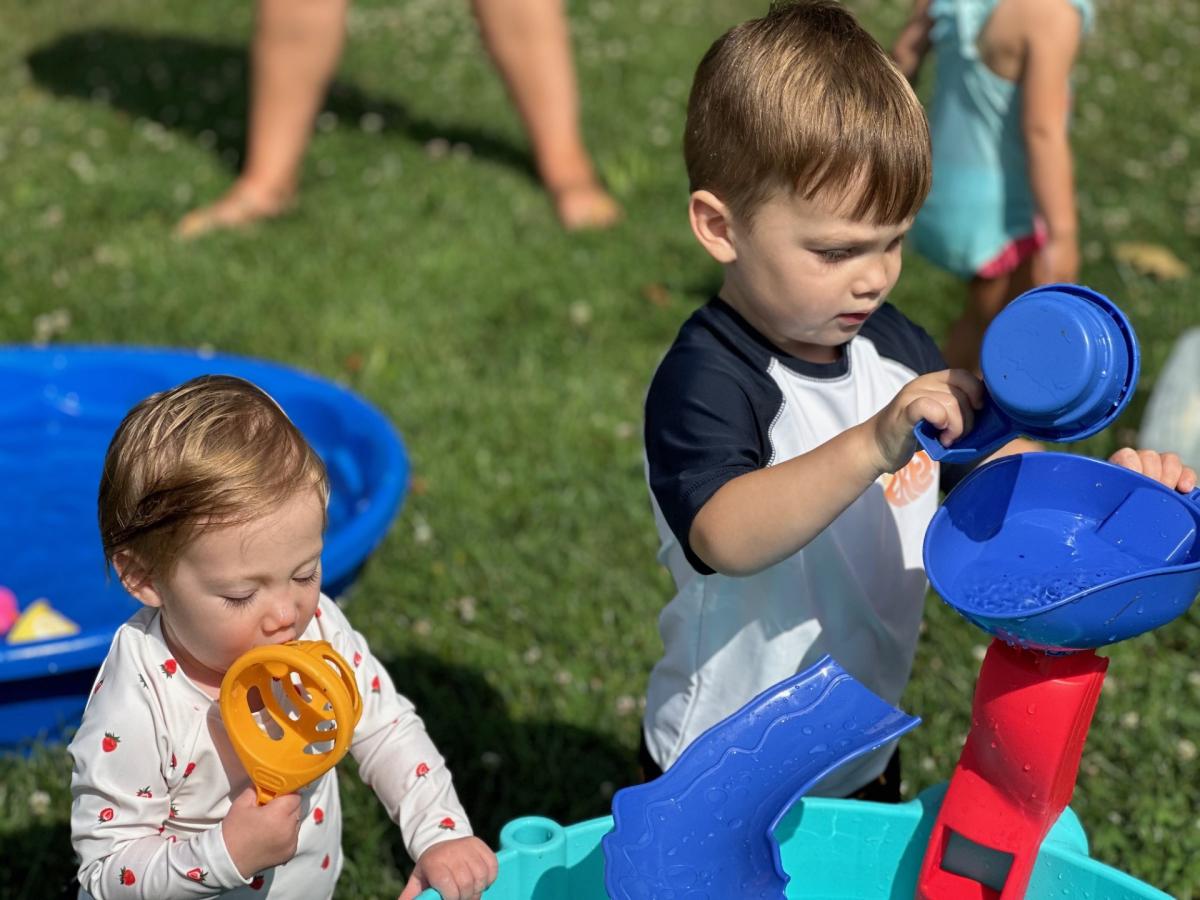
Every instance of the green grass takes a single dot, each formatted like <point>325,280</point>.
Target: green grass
<point>513,358</point>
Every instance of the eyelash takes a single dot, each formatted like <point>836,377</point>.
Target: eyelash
<point>841,254</point>
<point>834,256</point>
<point>241,601</point>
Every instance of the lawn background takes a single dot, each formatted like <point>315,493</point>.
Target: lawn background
<point>515,598</point>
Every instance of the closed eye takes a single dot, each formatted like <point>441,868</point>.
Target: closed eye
<point>313,576</point>
<point>835,254</point>
<point>239,601</point>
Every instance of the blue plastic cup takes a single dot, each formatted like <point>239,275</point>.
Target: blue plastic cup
<point>1060,363</point>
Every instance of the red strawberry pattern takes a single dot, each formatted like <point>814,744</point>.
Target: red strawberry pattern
<point>318,612</point>
<point>375,685</point>
<point>145,792</point>
<point>422,770</point>
<point>126,876</point>
<point>169,668</point>
<point>197,874</point>
<point>325,862</point>
<point>447,824</point>
<point>109,744</point>
<point>173,813</point>
<point>191,767</point>
<point>257,883</point>
<point>96,689</point>
<point>357,658</point>
<point>318,815</point>
<point>106,814</point>
<point>172,760</point>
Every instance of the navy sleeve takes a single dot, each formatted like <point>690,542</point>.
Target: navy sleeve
<point>701,431</point>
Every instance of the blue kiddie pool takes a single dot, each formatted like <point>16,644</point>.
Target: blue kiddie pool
<point>59,407</point>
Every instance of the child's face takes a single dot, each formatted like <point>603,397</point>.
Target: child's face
<point>807,276</point>
<point>241,586</point>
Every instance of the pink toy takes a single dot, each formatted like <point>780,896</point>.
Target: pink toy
<point>8,609</point>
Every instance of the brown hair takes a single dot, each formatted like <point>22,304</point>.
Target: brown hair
<point>215,450</point>
<point>805,100</point>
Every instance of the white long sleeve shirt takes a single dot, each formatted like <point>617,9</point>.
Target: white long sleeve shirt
<point>154,775</point>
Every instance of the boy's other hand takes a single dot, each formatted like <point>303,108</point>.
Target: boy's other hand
<point>261,837</point>
<point>460,869</point>
<point>1166,468</point>
<point>947,400</point>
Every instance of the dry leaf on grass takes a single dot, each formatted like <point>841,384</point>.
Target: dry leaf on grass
<point>1151,259</point>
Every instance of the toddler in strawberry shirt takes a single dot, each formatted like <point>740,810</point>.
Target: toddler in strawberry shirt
<point>212,509</point>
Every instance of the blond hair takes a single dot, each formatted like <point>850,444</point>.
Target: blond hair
<point>216,450</point>
<point>805,100</point>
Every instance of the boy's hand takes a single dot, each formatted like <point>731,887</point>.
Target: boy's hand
<point>460,869</point>
<point>260,837</point>
<point>1163,467</point>
<point>947,400</point>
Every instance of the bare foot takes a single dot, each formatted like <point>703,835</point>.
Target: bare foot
<point>238,208</point>
<point>585,206</point>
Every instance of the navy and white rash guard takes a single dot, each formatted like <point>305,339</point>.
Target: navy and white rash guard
<point>724,402</point>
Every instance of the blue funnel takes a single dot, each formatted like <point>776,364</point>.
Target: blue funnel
<point>1060,553</point>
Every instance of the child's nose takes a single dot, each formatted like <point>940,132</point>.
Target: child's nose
<point>872,278</point>
<point>283,614</point>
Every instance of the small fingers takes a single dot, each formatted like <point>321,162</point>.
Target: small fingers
<point>1187,480</point>
<point>966,409</point>
<point>1127,457</point>
<point>1151,464</point>
<point>1172,469</point>
<point>968,384</point>
<point>486,868</point>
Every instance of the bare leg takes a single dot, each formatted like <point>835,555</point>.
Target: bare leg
<point>985,298</point>
<point>530,45</point>
<point>297,44</point>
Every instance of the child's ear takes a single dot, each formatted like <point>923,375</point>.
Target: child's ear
<point>712,223</point>
<point>135,578</point>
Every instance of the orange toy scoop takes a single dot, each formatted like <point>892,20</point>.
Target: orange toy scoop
<point>290,712</point>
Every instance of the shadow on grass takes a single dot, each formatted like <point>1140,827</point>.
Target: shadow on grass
<point>36,863</point>
<point>505,769</point>
<point>198,87</point>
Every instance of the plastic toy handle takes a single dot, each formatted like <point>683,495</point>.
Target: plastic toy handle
<point>991,431</point>
<point>267,784</point>
<point>705,827</point>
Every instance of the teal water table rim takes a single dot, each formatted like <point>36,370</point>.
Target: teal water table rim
<point>543,860</point>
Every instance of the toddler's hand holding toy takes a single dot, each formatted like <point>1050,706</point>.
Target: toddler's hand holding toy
<point>947,400</point>
<point>1166,468</point>
<point>460,869</point>
<point>261,837</point>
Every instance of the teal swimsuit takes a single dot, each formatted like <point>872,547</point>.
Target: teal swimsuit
<point>981,199</point>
